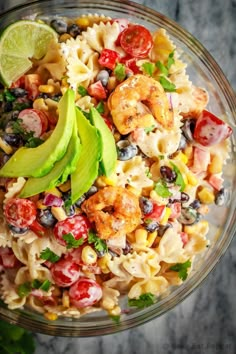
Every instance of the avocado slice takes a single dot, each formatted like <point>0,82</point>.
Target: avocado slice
<point>87,167</point>
<point>109,152</point>
<point>60,171</point>
<point>37,162</point>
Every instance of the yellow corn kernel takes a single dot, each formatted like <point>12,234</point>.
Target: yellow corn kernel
<point>182,157</point>
<point>40,205</point>
<point>64,81</point>
<point>88,255</point>
<point>82,22</point>
<point>5,146</point>
<point>135,191</point>
<point>46,88</point>
<point>40,104</point>
<point>116,311</point>
<point>192,180</point>
<point>112,83</point>
<point>157,198</point>
<point>50,316</point>
<point>166,216</point>
<point>102,263</point>
<point>206,196</point>
<point>65,299</point>
<point>216,165</point>
<point>151,238</point>
<point>188,151</point>
<point>59,213</point>
<point>64,37</point>
<point>141,236</point>
<point>103,181</point>
<point>54,191</point>
<point>65,187</point>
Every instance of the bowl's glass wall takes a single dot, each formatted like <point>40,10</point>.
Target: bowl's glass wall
<point>204,72</point>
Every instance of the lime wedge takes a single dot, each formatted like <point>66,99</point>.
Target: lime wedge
<point>20,42</point>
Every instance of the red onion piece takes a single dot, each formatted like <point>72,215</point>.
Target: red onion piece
<point>52,200</point>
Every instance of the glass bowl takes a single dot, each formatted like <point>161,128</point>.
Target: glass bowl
<point>204,72</point>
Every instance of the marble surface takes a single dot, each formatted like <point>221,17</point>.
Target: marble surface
<point>206,321</point>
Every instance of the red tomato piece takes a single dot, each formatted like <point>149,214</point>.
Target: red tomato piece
<point>65,273</point>
<point>34,120</point>
<point>19,83</point>
<point>37,228</point>
<point>108,58</point>
<point>157,213</point>
<point>130,64</point>
<point>136,41</point>
<point>216,182</point>
<point>108,122</point>
<point>211,130</point>
<point>184,238</point>
<point>77,225</point>
<point>97,90</point>
<point>175,210</point>
<point>20,212</point>
<point>8,258</point>
<point>201,160</point>
<point>32,83</point>
<point>85,292</point>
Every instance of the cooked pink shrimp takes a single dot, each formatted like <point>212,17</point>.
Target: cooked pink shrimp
<point>139,102</point>
<point>114,210</point>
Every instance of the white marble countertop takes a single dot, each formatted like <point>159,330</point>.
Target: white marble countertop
<point>205,322</point>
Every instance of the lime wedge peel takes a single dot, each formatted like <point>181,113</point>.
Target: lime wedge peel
<point>20,42</point>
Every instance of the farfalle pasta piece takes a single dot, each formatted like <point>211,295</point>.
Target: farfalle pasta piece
<point>9,295</point>
<point>134,173</point>
<point>14,188</point>
<point>5,235</point>
<point>197,241</point>
<point>162,46</point>
<point>85,103</point>
<point>155,285</point>
<point>171,248</point>
<point>110,298</point>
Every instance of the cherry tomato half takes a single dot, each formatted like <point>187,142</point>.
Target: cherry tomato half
<point>210,130</point>
<point>136,41</point>
<point>77,225</point>
<point>20,212</point>
<point>85,292</point>
<point>33,120</point>
<point>65,273</point>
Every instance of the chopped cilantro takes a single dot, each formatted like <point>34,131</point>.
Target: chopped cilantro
<point>170,60</point>
<point>34,142</point>
<point>18,129</point>
<point>9,97</point>
<point>182,269</point>
<point>149,129</point>
<point>19,106</point>
<point>100,107</point>
<point>68,204</point>
<point>45,285</point>
<point>82,91</point>
<point>161,189</point>
<point>99,244</point>
<point>49,255</point>
<point>1,97</point>
<point>119,72</point>
<point>148,173</point>
<point>36,284</point>
<point>162,68</point>
<point>167,85</point>
<point>24,289</point>
<point>148,68</point>
<point>179,180</point>
<point>148,221</point>
<point>161,157</point>
<point>144,300</point>
<point>115,319</point>
<point>71,242</point>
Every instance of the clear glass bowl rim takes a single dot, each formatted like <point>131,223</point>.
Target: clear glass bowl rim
<point>78,329</point>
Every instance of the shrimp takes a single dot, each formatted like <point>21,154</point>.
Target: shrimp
<point>114,210</point>
<point>200,100</point>
<point>140,102</point>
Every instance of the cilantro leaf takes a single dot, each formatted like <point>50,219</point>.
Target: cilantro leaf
<point>18,129</point>
<point>68,204</point>
<point>162,190</point>
<point>170,60</point>
<point>119,72</point>
<point>182,269</point>
<point>100,107</point>
<point>149,129</point>
<point>34,142</point>
<point>162,68</point>
<point>99,244</point>
<point>115,319</point>
<point>179,180</point>
<point>71,242</point>
<point>49,255</point>
<point>45,285</point>
<point>167,85</point>
<point>24,289</point>
<point>148,68</point>
<point>82,91</point>
<point>148,173</point>
<point>9,97</point>
<point>36,284</point>
<point>143,301</point>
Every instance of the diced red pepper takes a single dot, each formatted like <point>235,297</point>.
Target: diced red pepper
<point>157,213</point>
<point>108,58</point>
<point>97,90</point>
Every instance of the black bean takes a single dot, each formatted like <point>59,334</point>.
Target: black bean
<point>59,26</point>
<point>18,230</point>
<point>7,106</point>
<point>12,139</point>
<point>146,205</point>
<point>46,218</point>
<point>188,216</point>
<point>74,30</point>
<point>92,190</point>
<point>168,174</point>
<point>126,150</point>
<point>79,201</point>
<point>18,92</point>
<point>220,198</point>
<point>195,204</point>
<point>182,143</point>
<point>127,249</point>
<point>151,225</point>
<point>188,128</point>
<point>162,229</point>
<point>43,95</point>
<point>184,197</point>
<point>103,76</point>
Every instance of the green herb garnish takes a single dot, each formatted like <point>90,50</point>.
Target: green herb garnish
<point>148,173</point>
<point>167,85</point>
<point>9,97</point>
<point>179,180</point>
<point>161,189</point>
<point>149,129</point>
<point>82,91</point>
<point>182,269</point>
<point>45,286</point>
<point>68,204</point>
<point>162,68</point>
<point>99,244</point>
<point>119,72</point>
<point>71,242</point>
<point>170,60</point>
<point>34,142</point>
<point>49,255</point>
<point>100,107</point>
<point>36,284</point>
<point>24,289</point>
<point>115,319</point>
<point>148,68</point>
<point>143,301</point>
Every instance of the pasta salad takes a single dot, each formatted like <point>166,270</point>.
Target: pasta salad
<point>145,155</point>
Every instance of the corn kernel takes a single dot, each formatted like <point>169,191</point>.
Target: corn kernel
<point>103,181</point>
<point>82,22</point>
<point>116,311</point>
<point>88,255</point>
<point>50,316</point>
<point>192,180</point>
<point>188,151</point>
<point>216,165</point>
<point>166,216</point>
<point>135,191</point>
<point>64,37</point>
<point>46,88</point>
<point>112,83</point>
<point>65,299</point>
<point>5,146</point>
<point>182,157</point>
<point>65,187</point>
<point>102,263</point>
<point>59,213</point>
<point>54,191</point>
<point>141,236</point>
<point>206,196</point>
<point>40,205</point>
<point>151,238</point>
<point>40,104</point>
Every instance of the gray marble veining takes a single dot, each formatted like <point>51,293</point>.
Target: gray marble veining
<point>205,323</point>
